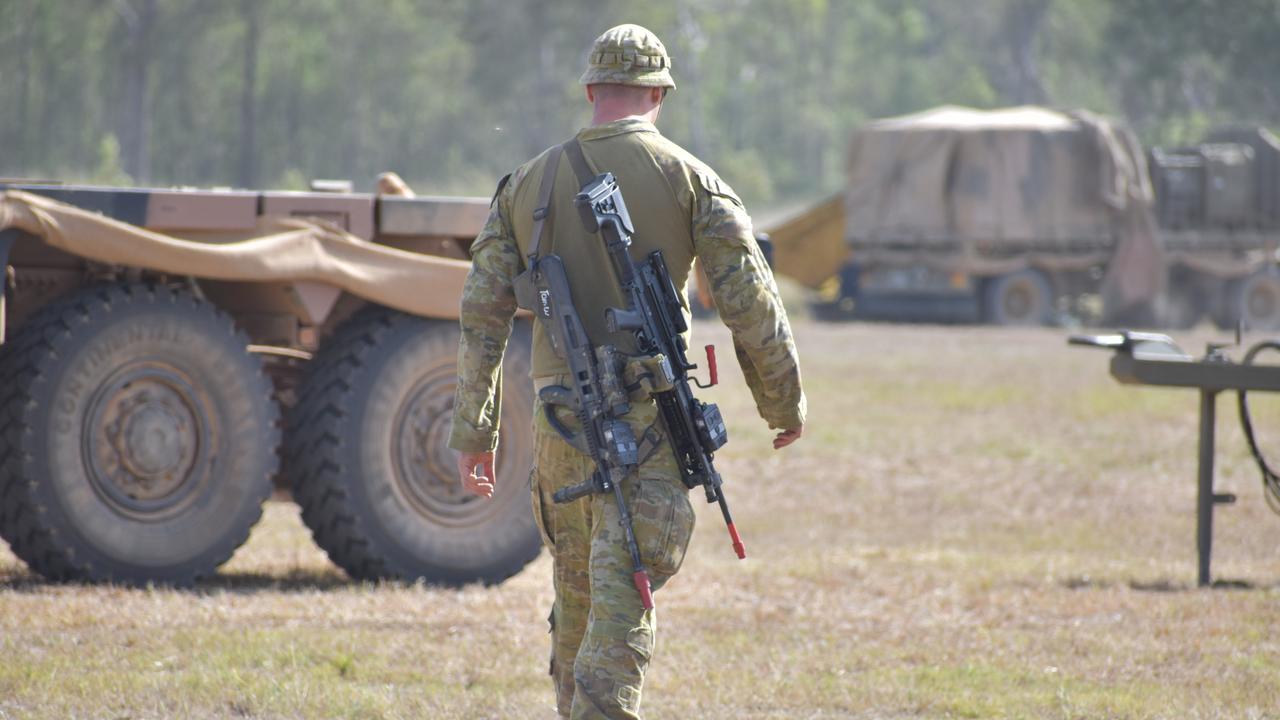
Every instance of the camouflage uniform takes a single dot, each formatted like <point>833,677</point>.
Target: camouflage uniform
<point>602,637</point>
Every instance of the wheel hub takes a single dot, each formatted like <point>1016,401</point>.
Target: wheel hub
<point>426,472</point>
<point>152,439</point>
<point>146,441</point>
<point>427,440</point>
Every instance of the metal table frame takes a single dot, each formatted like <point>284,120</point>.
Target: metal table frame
<point>1148,359</point>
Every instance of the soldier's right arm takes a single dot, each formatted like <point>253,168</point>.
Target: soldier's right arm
<point>488,306</point>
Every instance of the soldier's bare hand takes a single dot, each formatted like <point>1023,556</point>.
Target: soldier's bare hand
<point>482,484</point>
<point>786,437</point>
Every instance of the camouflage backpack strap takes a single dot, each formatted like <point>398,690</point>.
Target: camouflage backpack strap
<point>543,209</point>
<point>579,162</point>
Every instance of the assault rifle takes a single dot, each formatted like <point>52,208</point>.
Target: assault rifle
<point>597,398</point>
<point>655,316</point>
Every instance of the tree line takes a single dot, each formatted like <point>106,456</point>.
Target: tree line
<point>454,93</point>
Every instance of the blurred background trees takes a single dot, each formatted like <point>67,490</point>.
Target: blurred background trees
<point>454,93</point>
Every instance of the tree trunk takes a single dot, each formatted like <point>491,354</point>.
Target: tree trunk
<point>18,141</point>
<point>247,174</point>
<point>134,129</point>
<point>695,41</point>
<point>1023,21</point>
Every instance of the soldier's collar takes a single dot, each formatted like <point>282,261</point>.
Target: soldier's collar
<point>617,127</point>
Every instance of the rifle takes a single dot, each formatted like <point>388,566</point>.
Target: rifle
<point>596,396</point>
<point>655,316</point>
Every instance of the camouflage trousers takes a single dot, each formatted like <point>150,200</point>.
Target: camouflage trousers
<point>602,638</point>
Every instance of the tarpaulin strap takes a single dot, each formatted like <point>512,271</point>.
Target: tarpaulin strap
<point>543,209</point>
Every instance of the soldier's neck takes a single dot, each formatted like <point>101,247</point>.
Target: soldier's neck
<point>604,114</point>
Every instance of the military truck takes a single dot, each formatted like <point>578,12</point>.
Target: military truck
<point>1024,215</point>
<point>965,215</point>
<point>168,354</point>
<point>1218,207</point>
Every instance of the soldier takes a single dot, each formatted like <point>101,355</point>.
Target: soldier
<point>602,637</point>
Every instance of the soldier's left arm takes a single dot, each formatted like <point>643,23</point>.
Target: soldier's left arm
<point>748,301</point>
<point>487,308</point>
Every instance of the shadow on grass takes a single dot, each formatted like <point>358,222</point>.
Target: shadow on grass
<point>246,583</point>
<point>1162,585</point>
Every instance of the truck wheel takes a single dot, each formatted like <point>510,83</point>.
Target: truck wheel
<point>1255,300</point>
<point>1019,298</point>
<point>138,438</point>
<point>367,456</point>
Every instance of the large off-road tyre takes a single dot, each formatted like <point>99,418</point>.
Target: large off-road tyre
<point>368,459</point>
<point>1018,299</point>
<point>1253,300</point>
<point>137,437</point>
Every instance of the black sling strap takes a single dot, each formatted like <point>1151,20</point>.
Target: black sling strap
<point>579,162</point>
<point>580,168</point>
<point>543,210</point>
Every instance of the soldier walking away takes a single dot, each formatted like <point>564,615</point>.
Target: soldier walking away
<point>602,636</point>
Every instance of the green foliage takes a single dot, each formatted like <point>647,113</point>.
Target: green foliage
<point>1187,64</point>
<point>452,94</point>
<point>108,171</point>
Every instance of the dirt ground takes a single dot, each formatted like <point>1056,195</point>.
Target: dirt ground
<point>977,523</point>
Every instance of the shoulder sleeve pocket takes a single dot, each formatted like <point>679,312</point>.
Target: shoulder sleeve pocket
<point>715,186</point>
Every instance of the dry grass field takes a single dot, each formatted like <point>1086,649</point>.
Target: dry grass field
<point>978,523</point>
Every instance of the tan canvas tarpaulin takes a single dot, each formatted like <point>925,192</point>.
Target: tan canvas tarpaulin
<point>994,189</point>
<point>809,246</point>
<point>289,250</point>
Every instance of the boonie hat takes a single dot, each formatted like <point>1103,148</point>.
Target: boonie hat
<point>628,55</point>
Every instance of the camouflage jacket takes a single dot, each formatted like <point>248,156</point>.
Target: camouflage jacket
<point>679,206</point>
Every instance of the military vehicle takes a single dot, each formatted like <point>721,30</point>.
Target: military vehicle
<point>167,354</point>
<point>1019,216</point>
<point>1218,206</point>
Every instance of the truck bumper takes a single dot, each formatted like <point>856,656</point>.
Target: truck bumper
<point>939,306</point>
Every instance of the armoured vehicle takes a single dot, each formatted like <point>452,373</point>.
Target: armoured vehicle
<point>1016,216</point>
<point>167,354</point>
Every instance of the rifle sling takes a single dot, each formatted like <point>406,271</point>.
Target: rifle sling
<point>543,210</point>
<point>579,162</point>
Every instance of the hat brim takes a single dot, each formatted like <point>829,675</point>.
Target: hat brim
<point>619,76</point>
